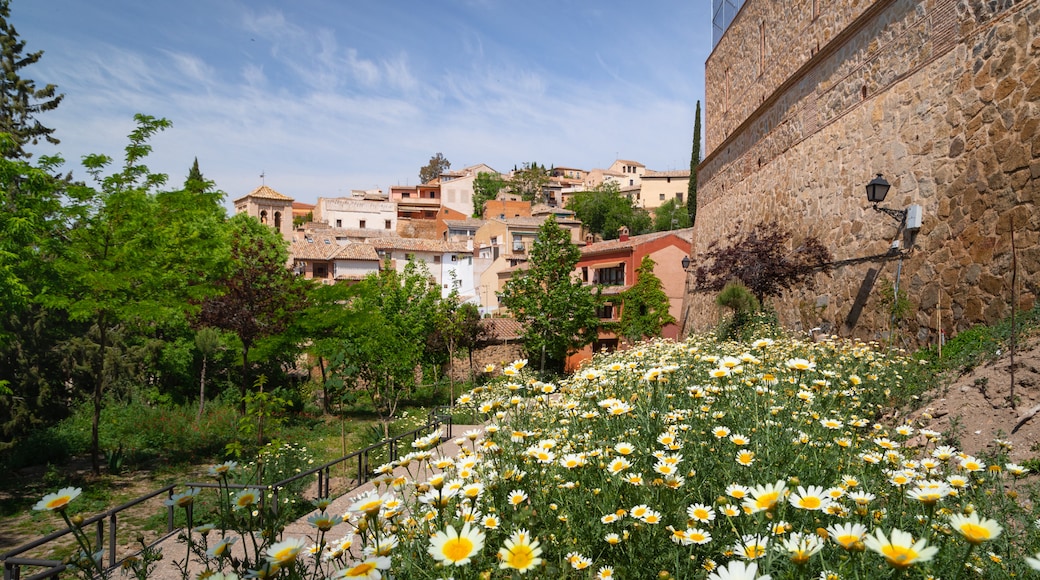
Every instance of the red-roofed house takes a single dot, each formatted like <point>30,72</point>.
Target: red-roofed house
<point>612,264</point>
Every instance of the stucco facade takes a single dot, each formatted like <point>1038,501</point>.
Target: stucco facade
<point>941,96</point>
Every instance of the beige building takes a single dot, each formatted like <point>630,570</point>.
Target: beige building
<point>658,187</point>
<point>457,187</point>
<point>504,243</point>
<point>357,213</point>
<point>270,207</point>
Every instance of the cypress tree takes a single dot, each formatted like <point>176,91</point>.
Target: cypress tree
<point>20,100</point>
<point>695,161</point>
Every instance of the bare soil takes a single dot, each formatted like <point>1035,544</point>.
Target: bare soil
<point>983,405</point>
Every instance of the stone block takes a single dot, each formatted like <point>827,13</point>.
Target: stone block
<point>991,284</point>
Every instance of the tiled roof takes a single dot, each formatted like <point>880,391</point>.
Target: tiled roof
<point>675,173</point>
<point>502,328</point>
<point>323,246</point>
<point>545,209</point>
<point>614,245</point>
<point>418,245</point>
<point>629,162</point>
<point>357,251</point>
<point>468,223</point>
<point>265,192</point>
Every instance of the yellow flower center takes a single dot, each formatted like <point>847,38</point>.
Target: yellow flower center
<point>809,503</point>
<point>58,502</point>
<point>457,549</point>
<point>974,534</point>
<point>285,555</point>
<point>768,500</point>
<point>361,569</point>
<point>520,558</point>
<point>899,556</point>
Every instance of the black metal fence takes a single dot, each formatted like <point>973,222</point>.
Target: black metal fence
<point>15,560</point>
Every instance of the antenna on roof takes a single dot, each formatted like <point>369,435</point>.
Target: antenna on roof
<point>262,175</point>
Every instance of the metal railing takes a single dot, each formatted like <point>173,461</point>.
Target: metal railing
<point>13,560</point>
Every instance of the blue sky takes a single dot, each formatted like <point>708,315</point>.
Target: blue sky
<point>325,96</point>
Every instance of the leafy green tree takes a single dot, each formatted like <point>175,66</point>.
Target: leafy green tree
<point>382,350</point>
<point>257,296</point>
<point>603,210</point>
<point>20,100</point>
<point>644,306</point>
<point>529,182</point>
<point>670,216</point>
<point>485,188</point>
<point>120,276</point>
<point>557,312</point>
<point>322,324</point>
<point>695,161</point>
<point>438,164</point>
<point>458,330</point>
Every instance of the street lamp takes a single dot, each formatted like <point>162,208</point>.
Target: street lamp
<point>685,262</point>
<point>910,217</point>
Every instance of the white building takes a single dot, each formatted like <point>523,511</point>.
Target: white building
<point>379,217</point>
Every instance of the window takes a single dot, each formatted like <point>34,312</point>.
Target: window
<point>386,224</point>
<point>660,196</point>
<point>678,196</point>
<point>669,179</point>
<point>436,259</point>
<point>406,194</point>
<point>339,223</point>
<point>631,182</point>
<point>361,224</point>
<point>263,216</point>
<point>277,220</point>
<point>605,312</point>
<point>457,284</point>
<point>321,270</point>
<point>610,276</point>
<point>585,274</point>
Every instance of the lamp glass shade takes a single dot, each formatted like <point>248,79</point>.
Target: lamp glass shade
<point>685,262</point>
<point>877,189</point>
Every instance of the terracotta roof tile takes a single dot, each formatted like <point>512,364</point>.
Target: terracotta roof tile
<point>265,192</point>
<point>503,328</point>
<point>614,245</point>
<point>418,245</point>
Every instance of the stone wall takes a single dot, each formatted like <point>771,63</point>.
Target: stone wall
<point>943,97</point>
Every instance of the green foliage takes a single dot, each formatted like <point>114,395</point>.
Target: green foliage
<point>603,210</point>
<point>438,164</point>
<point>529,182</point>
<point>695,161</point>
<point>258,296</point>
<point>557,312</point>
<point>744,307</point>
<point>897,308</point>
<point>644,310</point>
<point>20,100</point>
<point>670,215</point>
<point>486,186</point>
<point>383,348</point>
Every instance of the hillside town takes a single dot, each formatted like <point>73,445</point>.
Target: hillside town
<point>340,240</point>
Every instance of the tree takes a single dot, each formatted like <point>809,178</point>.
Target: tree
<point>258,296</point>
<point>457,326</point>
<point>20,100</point>
<point>120,275</point>
<point>762,261</point>
<point>557,312</point>
<point>485,188</point>
<point>695,161</point>
<point>382,349</point>
<point>529,183</point>
<point>438,164</point>
<point>670,216</point>
<point>644,306</point>
<point>603,210</point>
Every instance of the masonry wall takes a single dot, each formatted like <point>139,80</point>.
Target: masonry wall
<point>941,96</point>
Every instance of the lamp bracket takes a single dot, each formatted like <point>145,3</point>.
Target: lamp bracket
<point>897,214</point>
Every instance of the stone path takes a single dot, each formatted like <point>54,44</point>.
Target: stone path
<point>173,550</point>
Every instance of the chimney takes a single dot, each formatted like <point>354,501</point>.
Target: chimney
<point>623,234</point>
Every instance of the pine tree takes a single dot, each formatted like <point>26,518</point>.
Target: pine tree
<point>695,161</point>
<point>20,100</point>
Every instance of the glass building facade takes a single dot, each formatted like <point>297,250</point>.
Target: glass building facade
<point>722,13</point>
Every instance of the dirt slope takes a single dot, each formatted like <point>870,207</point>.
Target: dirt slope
<point>978,405</point>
